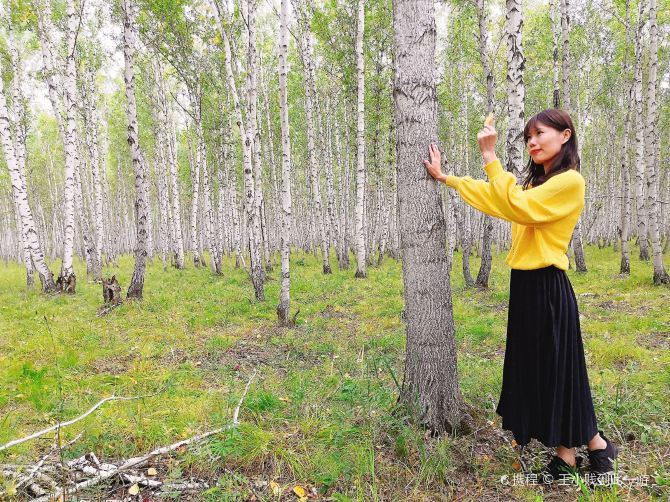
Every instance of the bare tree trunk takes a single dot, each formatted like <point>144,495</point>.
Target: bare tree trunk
<point>330,182</point>
<point>92,264</point>
<point>19,141</point>
<point>343,184</point>
<point>482,18</point>
<point>284,307</point>
<point>464,222</point>
<point>651,146</point>
<point>555,34</point>
<point>195,201</point>
<point>170,139</point>
<point>254,134</point>
<point>135,290</point>
<point>580,261</point>
<point>639,141</point>
<point>305,17</point>
<point>27,231</point>
<point>201,163</point>
<point>93,119</point>
<point>430,387</point>
<point>71,155</point>
<point>625,168</point>
<point>361,266</point>
<point>257,274</point>
<point>516,90</point>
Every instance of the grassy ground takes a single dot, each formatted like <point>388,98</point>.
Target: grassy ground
<point>318,414</point>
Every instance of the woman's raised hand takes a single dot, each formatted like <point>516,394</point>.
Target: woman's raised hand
<point>486,138</point>
<point>433,165</point>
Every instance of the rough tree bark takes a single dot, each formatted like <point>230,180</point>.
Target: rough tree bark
<point>431,378</point>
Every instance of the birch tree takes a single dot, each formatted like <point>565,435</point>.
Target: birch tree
<point>283,309</point>
<point>516,89</point>
<point>28,232</point>
<point>304,14</point>
<point>257,275</point>
<point>624,267</point>
<point>135,290</point>
<point>640,166</point>
<point>361,266</point>
<point>482,21</point>
<point>651,147</point>
<point>578,249</point>
<point>69,128</point>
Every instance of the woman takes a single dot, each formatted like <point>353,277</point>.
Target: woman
<point>545,390</point>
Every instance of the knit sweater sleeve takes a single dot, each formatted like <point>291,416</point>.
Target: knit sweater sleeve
<point>501,197</point>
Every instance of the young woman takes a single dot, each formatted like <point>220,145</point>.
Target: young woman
<point>545,390</point>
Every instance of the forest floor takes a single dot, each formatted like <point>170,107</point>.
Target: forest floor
<point>318,415</point>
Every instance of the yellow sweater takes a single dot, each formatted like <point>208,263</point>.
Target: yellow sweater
<point>542,217</point>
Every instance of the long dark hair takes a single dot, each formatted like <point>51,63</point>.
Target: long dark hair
<point>567,158</point>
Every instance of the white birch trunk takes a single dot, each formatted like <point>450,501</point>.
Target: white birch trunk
<point>361,266</point>
<point>254,135</point>
<point>257,275</point>
<point>651,146</point>
<point>135,290</point>
<point>171,140</point>
<point>577,248</point>
<point>482,18</point>
<point>624,267</point>
<point>71,155</point>
<point>27,231</point>
<point>516,90</point>
<point>639,141</point>
<point>283,308</point>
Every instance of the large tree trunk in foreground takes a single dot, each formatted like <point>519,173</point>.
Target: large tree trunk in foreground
<point>136,287</point>
<point>431,380</point>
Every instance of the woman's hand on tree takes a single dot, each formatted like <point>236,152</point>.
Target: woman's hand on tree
<point>433,165</point>
<point>487,143</point>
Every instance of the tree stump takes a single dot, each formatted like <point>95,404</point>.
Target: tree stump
<point>111,291</point>
<point>66,285</point>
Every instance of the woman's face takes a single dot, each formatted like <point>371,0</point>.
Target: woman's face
<point>545,142</point>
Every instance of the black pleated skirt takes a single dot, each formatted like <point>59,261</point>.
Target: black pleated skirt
<point>545,391</point>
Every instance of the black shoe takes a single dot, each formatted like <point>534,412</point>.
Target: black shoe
<point>601,462</point>
<point>558,470</point>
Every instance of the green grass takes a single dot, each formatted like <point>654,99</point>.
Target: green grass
<point>321,412</point>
